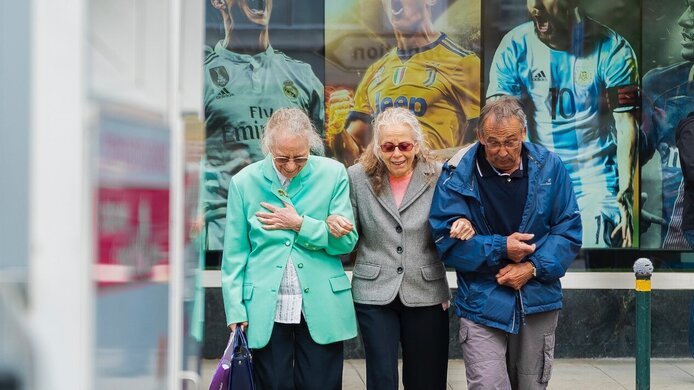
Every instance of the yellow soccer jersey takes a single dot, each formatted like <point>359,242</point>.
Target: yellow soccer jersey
<point>439,83</point>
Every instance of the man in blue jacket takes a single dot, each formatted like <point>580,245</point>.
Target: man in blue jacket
<point>519,198</point>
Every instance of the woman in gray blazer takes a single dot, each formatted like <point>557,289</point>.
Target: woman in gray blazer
<point>399,284</point>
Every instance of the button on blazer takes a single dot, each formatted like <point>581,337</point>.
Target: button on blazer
<point>395,251</point>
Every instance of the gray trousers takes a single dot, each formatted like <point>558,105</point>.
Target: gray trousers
<point>495,359</point>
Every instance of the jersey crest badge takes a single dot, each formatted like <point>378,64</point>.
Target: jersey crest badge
<point>583,76</point>
<point>290,90</point>
<point>431,76</point>
<point>398,75</point>
<point>378,77</point>
<point>219,76</point>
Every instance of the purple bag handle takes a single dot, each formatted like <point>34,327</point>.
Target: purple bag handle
<point>220,378</point>
<point>229,350</point>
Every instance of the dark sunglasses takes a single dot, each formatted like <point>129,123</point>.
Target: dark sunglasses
<point>389,147</point>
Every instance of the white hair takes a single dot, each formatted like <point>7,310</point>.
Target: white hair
<point>293,121</point>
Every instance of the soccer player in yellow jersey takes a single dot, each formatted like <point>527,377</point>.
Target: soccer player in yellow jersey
<point>427,73</point>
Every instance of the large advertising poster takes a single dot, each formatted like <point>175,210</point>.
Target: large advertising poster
<point>668,98</point>
<point>593,77</point>
<point>574,65</point>
<point>262,55</point>
<point>419,54</point>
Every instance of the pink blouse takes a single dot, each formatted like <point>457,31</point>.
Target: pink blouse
<point>398,186</point>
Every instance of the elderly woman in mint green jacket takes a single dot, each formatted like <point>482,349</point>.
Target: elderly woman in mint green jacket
<point>281,272</point>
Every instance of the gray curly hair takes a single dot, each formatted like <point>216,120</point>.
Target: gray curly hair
<point>501,108</point>
<point>292,121</point>
<point>371,159</point>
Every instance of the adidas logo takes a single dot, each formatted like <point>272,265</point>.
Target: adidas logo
<point>224,93</point>
<point>540,76</point>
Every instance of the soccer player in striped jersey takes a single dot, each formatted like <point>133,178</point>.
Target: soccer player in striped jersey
<point>580,83</point>
<point>427,73</point>
<point>668,98</point>
<point>245,82</point>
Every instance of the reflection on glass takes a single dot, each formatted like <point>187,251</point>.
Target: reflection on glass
<point>246,80</point>
<point>132,252</point>
<point>17,356</point>
<point>668,97</point>
<point>427,71</point>
<point>579,81</point>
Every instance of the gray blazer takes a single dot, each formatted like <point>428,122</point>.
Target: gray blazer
<point>395,252</point>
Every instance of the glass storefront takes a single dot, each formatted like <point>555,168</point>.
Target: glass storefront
<point>590,75</point>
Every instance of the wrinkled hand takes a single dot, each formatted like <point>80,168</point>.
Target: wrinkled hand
<point>624,228</point>
<point>338,225</point>
<point>280,218</point>
<point>244,326</point>
<point>515,275</point>
<point>516,248</point>
<point>462,229</point>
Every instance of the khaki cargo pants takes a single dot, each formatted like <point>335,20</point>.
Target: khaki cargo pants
<point>495,359</point>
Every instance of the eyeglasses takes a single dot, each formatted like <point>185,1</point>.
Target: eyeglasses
<point>285,160</point>
<point>496,145</point>
<point>389,147</point>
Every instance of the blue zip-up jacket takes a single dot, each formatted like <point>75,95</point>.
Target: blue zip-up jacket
<point>550,213</point>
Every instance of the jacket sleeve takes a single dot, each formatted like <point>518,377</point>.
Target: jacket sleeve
<point>447,206</point>
<point>557,250</point>
<point>314,233</point>
<point>237,248</point>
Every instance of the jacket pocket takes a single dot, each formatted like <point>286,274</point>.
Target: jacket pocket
<point>248,291</point>
<point>548,358</point>
<point>340,283</point>
<point>366,271</point>
<point>433,272</point>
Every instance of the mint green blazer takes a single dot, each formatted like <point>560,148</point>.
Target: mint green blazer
<point>254,259</point>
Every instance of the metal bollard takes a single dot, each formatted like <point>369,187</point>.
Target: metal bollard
<point>643,268</point>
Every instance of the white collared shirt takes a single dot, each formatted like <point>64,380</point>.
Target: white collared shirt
<point>289,299</point>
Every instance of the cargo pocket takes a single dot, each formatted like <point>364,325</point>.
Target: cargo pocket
<point>548,350</point>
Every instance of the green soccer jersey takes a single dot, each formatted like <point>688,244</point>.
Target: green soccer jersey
<point>241,93</point>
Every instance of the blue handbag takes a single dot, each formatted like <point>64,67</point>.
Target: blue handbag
<point>241,375</point>
<point>235,368</point>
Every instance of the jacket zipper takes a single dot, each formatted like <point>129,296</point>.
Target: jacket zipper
<point>522,308</point>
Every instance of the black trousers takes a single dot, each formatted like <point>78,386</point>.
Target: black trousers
<point>293,361</point>
<point>422,333</point>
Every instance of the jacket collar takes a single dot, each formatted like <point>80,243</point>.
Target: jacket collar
<point>536,155</point>
<point>296,184</point>
<point>421,179</point>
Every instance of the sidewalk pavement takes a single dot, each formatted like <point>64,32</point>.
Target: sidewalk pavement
<point>593,374</point>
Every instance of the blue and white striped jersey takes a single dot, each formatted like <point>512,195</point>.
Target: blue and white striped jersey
<point>568,109</point>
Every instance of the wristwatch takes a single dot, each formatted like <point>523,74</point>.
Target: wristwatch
<point>534,269</point>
